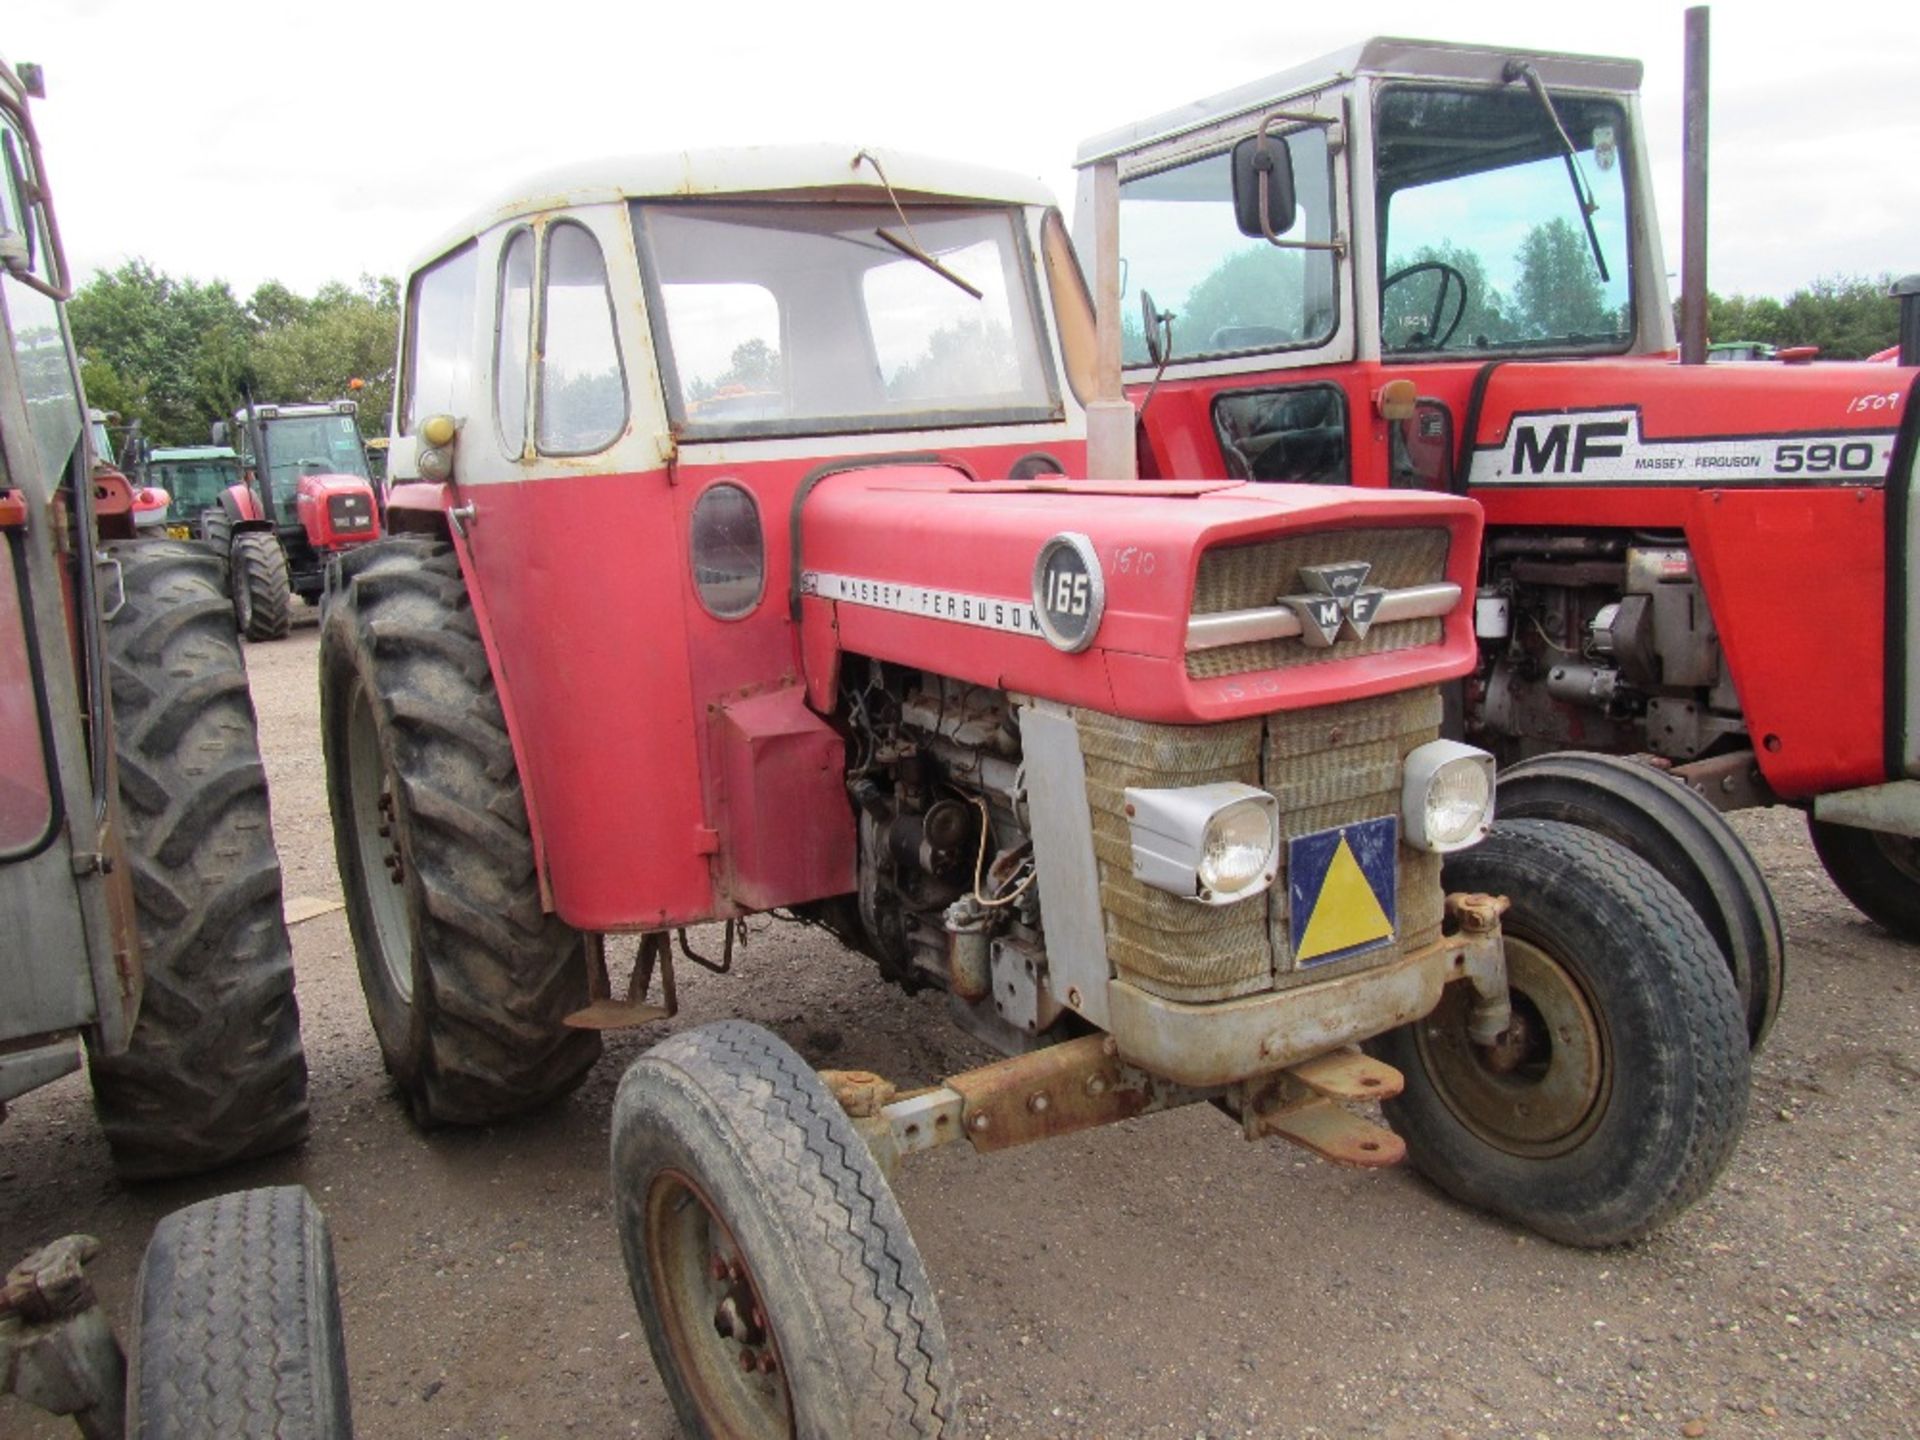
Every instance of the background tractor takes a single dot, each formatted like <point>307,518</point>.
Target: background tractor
<point>1146,777</point>
<point>140,898</point>
<point>1414,266</point>
<point>306,496</point>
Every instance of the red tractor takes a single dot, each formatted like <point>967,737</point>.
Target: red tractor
<point>1423,267</point>
<point>1147,777</point>
<point>305,497</point>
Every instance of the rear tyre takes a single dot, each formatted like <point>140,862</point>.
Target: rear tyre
<point>1878,872</point>
<point>214,1071</point>
<point>467,979</point>
<point>1682,837</point>
<point>262,595</point>
<point>237,1330</point>
<point>1620,1090</point>
<point>780,1289</point>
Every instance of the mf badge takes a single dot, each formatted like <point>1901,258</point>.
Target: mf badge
<point>1338,605</point>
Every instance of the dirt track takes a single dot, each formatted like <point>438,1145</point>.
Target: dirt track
<point>1160,1278</point>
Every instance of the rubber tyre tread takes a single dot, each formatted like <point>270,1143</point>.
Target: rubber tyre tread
<point>853,1312</point>
<point>1681,835</point>
<point>1878,888</point>
<point>216,532</point>
<point>262,590</point>
<point>214,1071</point>
<point>237,1328</point>
<point>493,974</point>
<point>1680,1076</point>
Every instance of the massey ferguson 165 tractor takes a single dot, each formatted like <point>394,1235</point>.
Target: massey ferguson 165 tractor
<point>140,909</point>
<point>1416,267</point>
<point>305,498</point>
<point>1147,777</point>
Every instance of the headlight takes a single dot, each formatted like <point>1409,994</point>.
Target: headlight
<point>1446,797</point>
<point>1212,843</point>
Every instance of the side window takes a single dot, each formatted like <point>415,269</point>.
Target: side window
<point>1297,435</point>
<point>439,371</point>
<point>54,411</point>
<point>583,392</point>
<point>513,342</point>
<point>1180,243</point>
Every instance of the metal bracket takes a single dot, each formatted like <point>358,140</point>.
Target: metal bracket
<point>603,1011</point>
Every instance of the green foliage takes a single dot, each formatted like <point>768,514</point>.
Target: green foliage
<point>1848,317</point>
<point>968,358</point>
<point>1559,291</point>
<point>1256,288</point>
<point>1408,306</point>
<point>755,369</point>
<point>177,354</point>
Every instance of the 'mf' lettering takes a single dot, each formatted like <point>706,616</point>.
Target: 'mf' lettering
<point>1536,450</point>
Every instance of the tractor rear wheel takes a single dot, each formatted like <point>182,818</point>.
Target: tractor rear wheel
<point>1877,871</point>
<point>1681,836</point>
<point>467,979</point>
<point>214,1070</point>
<point>781,1291</point>
<point>1619,1091</point>
<point>262,593</point>
<point>216,530</point>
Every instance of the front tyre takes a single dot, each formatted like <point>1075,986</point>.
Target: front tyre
<point>1878,872</point>
<point>214,1070</point>
<point>1619,1092</point>
<point>467,979</point>
<point>780,1289</point>
<point>262,592</point>
<point>237,1325</point>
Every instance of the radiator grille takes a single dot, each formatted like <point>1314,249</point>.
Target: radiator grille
<point>1252,577</point>
<point>1328,766</point>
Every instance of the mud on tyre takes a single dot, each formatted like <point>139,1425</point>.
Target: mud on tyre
<point>781,1291</point>
<point>1620,1091</point>
<point>214,1071</point>
<point>467,980</point>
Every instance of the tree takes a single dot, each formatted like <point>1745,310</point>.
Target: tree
<point>1848,316</point>
<point>1559,291</point>
<point>314,349</point>
<point>163,348</point>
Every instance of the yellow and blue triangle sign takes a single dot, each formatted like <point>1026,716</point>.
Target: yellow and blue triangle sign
<point>1340,890</point>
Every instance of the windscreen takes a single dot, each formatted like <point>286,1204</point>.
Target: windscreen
<point>1484,244</point>
<point>784,318</point>
<point>312,445</point>
<point>192,484</point>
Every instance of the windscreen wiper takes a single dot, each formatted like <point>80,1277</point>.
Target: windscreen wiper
<point>1582,192</point>
<point>909,246</point>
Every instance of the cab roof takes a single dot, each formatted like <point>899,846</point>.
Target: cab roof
<point>1380,57</point>
<point>757,170</point>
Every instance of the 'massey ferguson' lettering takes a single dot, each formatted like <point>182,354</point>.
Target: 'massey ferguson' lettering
<point>1607,448</point>
<point>990,612</point>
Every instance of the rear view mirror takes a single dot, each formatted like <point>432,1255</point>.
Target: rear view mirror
<point>1263,202</point>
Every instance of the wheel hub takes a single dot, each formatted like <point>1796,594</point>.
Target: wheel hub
<point>718,1329</point>
<point>1542,1086</point>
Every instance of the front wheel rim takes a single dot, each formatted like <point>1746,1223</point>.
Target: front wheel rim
<point>376,838</point>
<point>1543,1089</point>
<point>718,1329</point>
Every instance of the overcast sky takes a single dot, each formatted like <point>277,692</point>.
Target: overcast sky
<point>312,142</point>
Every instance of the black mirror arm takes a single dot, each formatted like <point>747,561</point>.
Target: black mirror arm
<point>1263,164</point>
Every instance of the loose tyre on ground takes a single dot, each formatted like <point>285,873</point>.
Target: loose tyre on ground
<point>781,1291</point>
<point>262,596</point>
<point>1878,872</point>
<point>1681,836</point>
<point>1620,1090</point>
<point>467,980</point>
<point>215,1069</point>
<point>237,1325</point>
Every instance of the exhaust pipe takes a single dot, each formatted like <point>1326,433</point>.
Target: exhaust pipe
<point>1907,291</point>
<point>1693,196</point>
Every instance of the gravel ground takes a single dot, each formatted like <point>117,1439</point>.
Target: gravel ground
<point>1158,1278</point>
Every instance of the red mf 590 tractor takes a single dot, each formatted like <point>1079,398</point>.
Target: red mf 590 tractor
<point>1148,778</point>
<point>1425,267</point>
<point>305,497</point>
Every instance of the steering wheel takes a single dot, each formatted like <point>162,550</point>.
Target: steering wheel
<point>1432,337</point>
